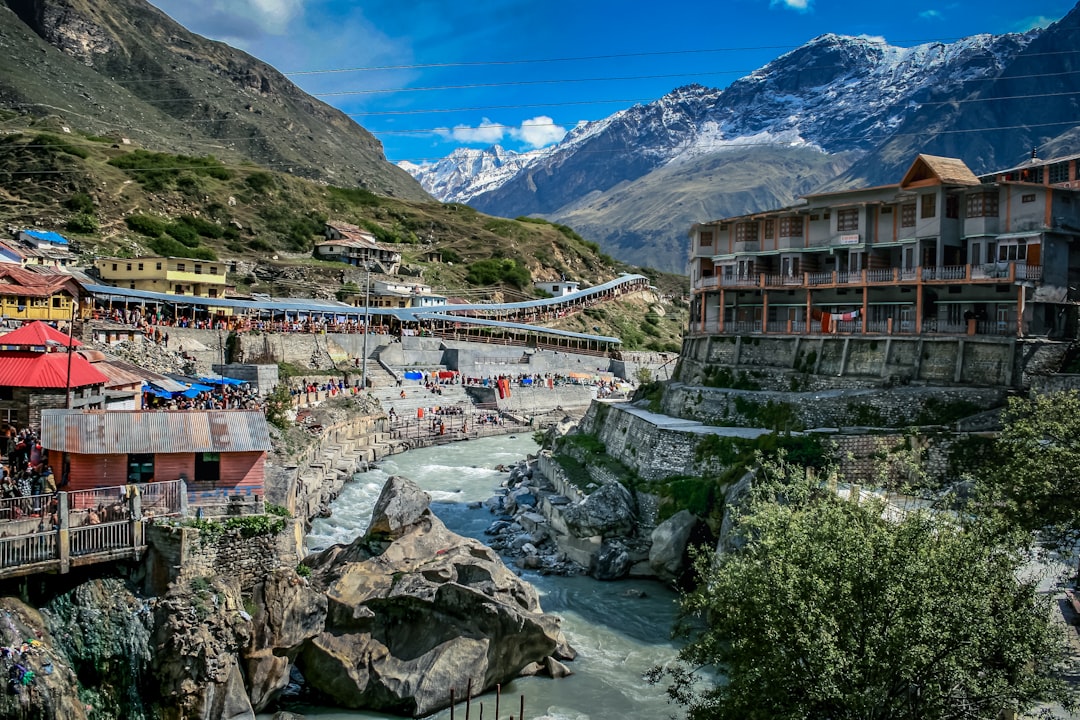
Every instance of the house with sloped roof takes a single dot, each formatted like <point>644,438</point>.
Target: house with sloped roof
<point>350,244</point>
<point>34,378</point>
<point>29,295</point>
<point>220,454</point>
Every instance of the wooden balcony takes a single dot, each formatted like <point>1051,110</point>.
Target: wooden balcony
<point>988,274</point>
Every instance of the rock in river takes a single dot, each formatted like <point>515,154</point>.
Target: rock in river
<point>415,610</point>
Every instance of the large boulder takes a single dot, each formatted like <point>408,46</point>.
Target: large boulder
<point>288,613</point>
<point>200,629</point>
<point>607,512</point>
<point>39,682</point>
<point>667,554</point>
<point>612,562</point>
<point>415,610</point>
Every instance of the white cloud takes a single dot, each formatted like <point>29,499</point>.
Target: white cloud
<point>539,132</point>
<point>797,5</point>
<point>235,20</point>
<point>1030,23</point>
<point>486,133</point>
<point>536,132</point>
<point>931,15</point>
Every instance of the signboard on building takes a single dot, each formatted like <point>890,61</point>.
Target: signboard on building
<point>849,239</point>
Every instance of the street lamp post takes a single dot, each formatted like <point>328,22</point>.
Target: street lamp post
<point>367,324</point>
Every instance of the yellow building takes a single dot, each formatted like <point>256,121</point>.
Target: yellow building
<point>27,295</point>
<point>172,275</point>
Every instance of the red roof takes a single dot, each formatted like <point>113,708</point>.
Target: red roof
<point>46,370</point>
<point>37,334</point>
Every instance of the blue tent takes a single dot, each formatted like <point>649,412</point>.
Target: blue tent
<point>413,375</point>
<point>221,380</point>
<point>47,236</point>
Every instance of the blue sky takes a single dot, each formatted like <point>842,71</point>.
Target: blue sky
<point>428,76</point>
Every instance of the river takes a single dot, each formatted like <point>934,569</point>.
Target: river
<point>617,635</point>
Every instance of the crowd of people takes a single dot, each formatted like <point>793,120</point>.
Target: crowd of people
<point>222,397</point>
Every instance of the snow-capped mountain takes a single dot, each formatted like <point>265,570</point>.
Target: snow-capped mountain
<point>848,98</point>
<point>466,172</point>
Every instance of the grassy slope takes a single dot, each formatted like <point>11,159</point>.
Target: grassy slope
<point>273,220</point>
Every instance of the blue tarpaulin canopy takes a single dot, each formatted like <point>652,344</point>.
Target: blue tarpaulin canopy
<point>413,375</point>
<point>221,380</point>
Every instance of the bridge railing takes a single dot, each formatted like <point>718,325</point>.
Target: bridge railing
<point>28,549</point>
<point>99,538</point>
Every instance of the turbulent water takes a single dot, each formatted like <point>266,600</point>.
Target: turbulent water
<point>616,634</point>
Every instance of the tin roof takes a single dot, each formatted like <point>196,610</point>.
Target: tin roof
<point>111,432</point>
<point>46,370</point>
<point>38,334</point>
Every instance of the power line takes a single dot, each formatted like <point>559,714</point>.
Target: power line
<point>717,145</point>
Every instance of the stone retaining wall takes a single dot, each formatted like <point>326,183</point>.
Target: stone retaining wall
<point>183,552</point>
<point>978,360</point>
<point>893,407</point>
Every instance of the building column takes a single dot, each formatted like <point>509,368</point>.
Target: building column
<point>865,304</point>
<point>720,319</point>
<point>702,299</point>
<point>918,301</point>
<point>764,311</point>
<point>809,310</point>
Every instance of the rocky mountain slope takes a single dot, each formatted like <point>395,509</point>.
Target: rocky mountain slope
<point>122,68</point>
<point>638,179</point>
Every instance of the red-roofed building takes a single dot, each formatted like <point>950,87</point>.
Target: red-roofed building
<point>37,335</point>
<point>28,295</point>
<point>31,381</point>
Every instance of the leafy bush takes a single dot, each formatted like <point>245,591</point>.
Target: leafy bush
<point>184,233</point>
<point>494,271</point>
<point>84,223</point>
<point>450,256</point>
<point>278,404</point>
<point>146,225</point>
<point>260,182</point>
<point>80,202</point>
<point>158,171</point>
<point>59,144</point>
<point>171,248</point>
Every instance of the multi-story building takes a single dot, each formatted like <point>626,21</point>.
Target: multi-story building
<point>30,295</point>
<point>942,251</point>
<point>176,276</point>
<point>349,244</point>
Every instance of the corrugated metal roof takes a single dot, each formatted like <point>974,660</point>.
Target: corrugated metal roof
<point>46,370</point>
<point>540,330</point>
<point>160,431</point>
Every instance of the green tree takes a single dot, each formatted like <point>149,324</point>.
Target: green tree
<point>828,610</point>
<point>278,404</point>
<point>1032,483</point>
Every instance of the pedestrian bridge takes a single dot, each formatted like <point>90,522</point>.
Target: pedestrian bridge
<point>58,532</point>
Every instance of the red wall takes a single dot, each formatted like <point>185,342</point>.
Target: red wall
<point>242,471</point>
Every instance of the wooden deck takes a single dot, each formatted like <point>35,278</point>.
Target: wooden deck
<point>54,533</point>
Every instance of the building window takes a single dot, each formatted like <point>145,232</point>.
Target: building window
<point>770,228</point>
<point>705,239</point>
<point>181,267</point>
<point>140,266</point>
<point>56,301</point>
<point>907,215</point>
<point>746,232</point>
<point>952,207</point>
<point>213,270</point>
<point>929,206</point>
<point>1030,197</point>
<point>207,467</point>
<point>791,227</point>
<point>198,269</point>
<point>1031,175</point>
<point>847,219</point>
<point>140,468</point>
<point>984,204</point>
<point>129,267</point>
<point>158,266</point>
<point>887,210</point>
<point>1059,173</point>
<point>1012,250</point>
<point>114,267</point>
<point>132,284</point>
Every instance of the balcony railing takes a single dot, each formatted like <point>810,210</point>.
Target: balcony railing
<point>739,280</point>
<point>945,272</point>
<point>819,278</point>
<point>880,276</point>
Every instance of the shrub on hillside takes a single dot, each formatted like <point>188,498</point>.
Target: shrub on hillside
<point>493,271</point>
<point>147,225</point>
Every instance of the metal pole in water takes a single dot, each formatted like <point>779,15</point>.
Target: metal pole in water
<point>468,699</point>
<point>451,703</point>
<point>498,697</point>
